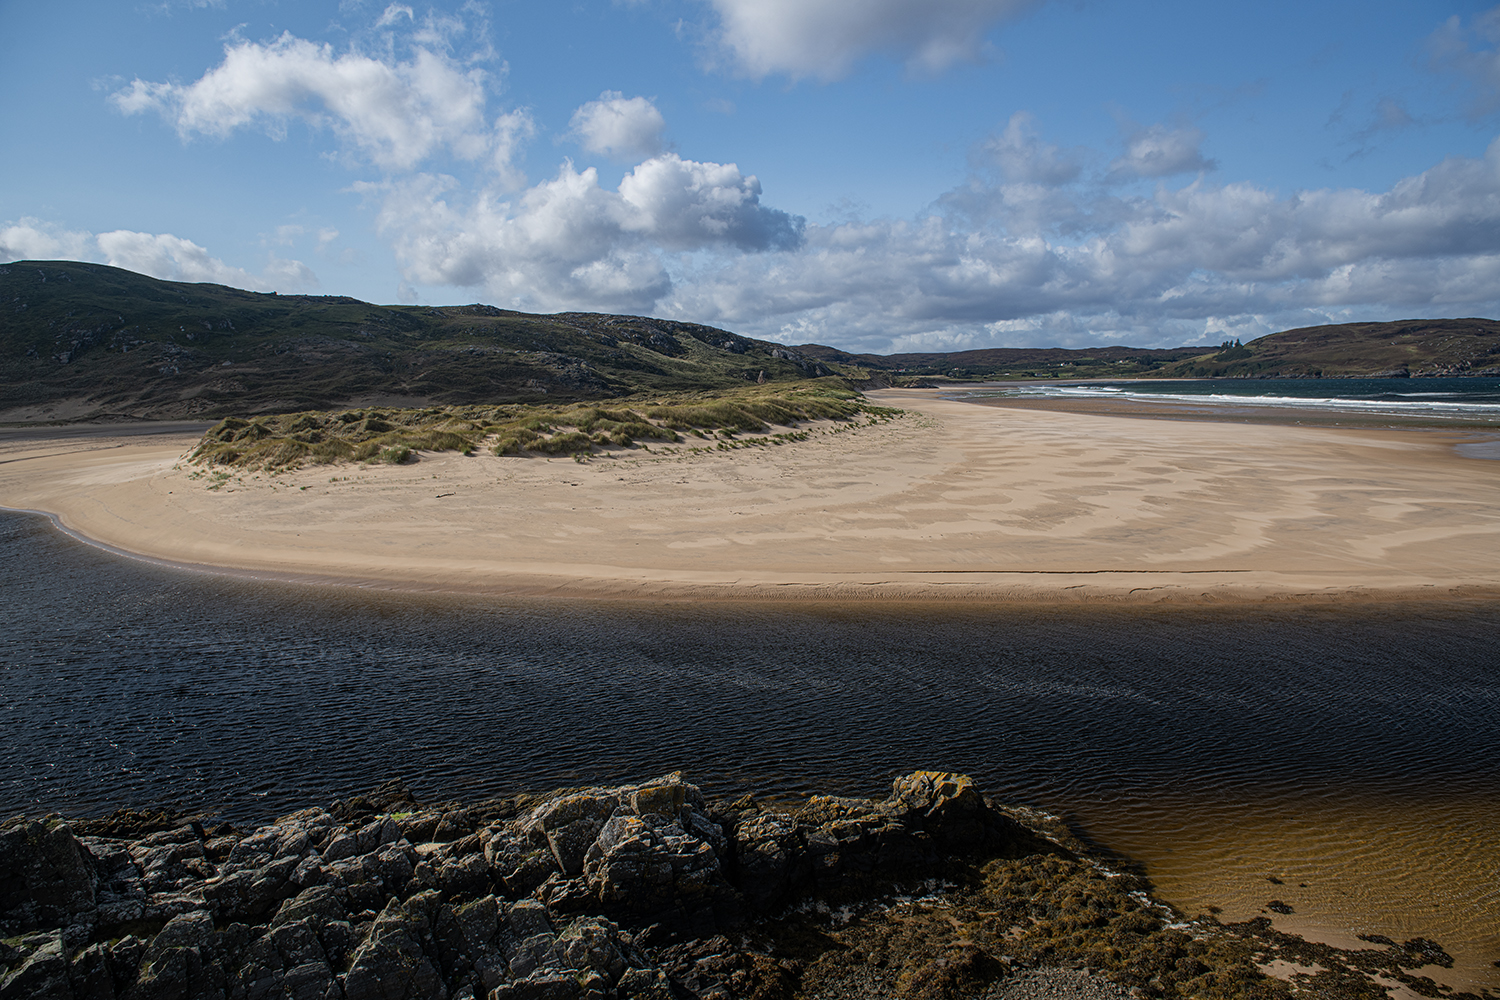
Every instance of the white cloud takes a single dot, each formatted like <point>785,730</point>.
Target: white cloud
<point>824,38</point>
<point>1159,151</point>
<point>1167,269</point>
<point>569,243</point>
<point>33,239</point>
<point>160,255</point>
<point>395,113</point>
<point>392,15</point>
<point>619,127</point>
<point>1022,157</point>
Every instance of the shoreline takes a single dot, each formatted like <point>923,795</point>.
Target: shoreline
<point>944,884</point>
<point>954,502</point>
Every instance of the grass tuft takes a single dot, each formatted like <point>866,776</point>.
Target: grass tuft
<point>735,418</point>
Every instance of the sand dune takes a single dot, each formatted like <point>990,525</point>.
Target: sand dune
<point>954,500</point>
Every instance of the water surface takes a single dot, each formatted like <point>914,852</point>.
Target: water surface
<point>1351,748</point>
<point>1444,399</point>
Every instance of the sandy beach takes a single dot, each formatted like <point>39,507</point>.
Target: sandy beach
<point>951,501</point>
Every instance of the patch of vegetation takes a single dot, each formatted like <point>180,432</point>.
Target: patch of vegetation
<point>288,441</point>
<point>1046,910</point>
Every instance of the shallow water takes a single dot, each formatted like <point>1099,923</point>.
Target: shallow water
<point>1351,748</point>
<point>1455,399</point>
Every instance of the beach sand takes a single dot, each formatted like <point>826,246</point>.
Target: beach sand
<point>952,501</point>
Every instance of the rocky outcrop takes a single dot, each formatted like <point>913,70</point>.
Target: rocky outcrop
<point>570,898</point>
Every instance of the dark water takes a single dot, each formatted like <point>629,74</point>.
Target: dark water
<point>1452,398</point>
<point>127,684</point>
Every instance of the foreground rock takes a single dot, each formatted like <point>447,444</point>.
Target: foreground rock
<point>635,891</point>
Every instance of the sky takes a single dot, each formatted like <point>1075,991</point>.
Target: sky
<point>880,175</point>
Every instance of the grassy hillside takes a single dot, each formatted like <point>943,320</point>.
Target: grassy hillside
<point>1413,347</point>
<point>80,340</point>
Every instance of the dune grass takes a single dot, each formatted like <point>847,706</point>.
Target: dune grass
<point>383,434</point>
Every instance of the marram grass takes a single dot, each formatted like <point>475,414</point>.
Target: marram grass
<point>287,441</point>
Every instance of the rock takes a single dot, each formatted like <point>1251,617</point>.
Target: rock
<point>593,943</point>
<point>570,823</point>
<point>89,974</point>
<point>520,866</point>
<point>645,984</point>
<point>527,917</point>
<point>392,964</point>
<point>46,877</point>
<point>540,986</point>
<point>357,904</point>
<point>125,961</point>
<point>42,976</point>
<point>319,905</point>
<point>540,951</point>
<point>771,859</point>
<point>649,866</point>
<point>180,963</point>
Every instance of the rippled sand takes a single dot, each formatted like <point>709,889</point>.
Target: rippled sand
<point>953,500</point>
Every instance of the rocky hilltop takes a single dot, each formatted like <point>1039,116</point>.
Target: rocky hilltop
<point>646,891</point>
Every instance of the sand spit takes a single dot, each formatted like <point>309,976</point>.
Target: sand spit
<point>952,501</point>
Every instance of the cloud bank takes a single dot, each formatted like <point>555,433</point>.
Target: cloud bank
<point>160,255</point>
<point>1142,244</point>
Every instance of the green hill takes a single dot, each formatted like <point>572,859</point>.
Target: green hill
<point>85,340</point>
<point>1402,348</point>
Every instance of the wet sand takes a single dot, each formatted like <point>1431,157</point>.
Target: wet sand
<point>952,501</point>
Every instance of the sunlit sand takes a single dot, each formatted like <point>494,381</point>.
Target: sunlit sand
<point>954,500</point>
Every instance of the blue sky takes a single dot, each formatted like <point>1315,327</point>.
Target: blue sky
<point>884,175</point>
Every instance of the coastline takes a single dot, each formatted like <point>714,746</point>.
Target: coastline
<point>954,501</point>
<point>649,890</point>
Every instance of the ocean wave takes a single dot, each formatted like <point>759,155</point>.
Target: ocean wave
<point>1426,405</point>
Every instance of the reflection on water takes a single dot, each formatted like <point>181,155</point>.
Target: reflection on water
<point>1348,748</point>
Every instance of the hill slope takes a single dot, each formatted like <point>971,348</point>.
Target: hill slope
<point>1412,347</point>
<point>86,340</point>
<point>1409,347</point>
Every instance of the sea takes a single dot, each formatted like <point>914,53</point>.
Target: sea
<point>1453,399</point>
<point>1341,759</point>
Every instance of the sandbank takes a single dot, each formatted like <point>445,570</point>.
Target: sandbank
<point>952,501</point>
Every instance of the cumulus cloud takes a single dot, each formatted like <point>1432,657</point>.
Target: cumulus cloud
<point>160,255</point>
<point>619,127</point>
<point>33,239</point>
<point>824,38</point>
<point>396,113</point>
<point>1159,151</point>
<point>570,243</point>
